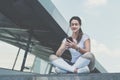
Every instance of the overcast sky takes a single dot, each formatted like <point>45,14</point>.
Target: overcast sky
<point>101,21</point>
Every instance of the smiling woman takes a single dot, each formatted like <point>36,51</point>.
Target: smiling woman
<point>82,60</point>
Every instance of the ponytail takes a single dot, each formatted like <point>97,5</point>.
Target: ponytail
<point>79,35</point>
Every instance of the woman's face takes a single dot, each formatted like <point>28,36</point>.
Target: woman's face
<point>75,26</point>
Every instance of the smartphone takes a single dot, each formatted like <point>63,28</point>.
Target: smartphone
<point>70,38</point>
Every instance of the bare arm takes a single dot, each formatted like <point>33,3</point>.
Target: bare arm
<point>61,49</point>
<point>86,48</point>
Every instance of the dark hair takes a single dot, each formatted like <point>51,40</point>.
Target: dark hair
<point>80,30</point>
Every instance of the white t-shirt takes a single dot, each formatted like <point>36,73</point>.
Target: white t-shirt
<point>75,54</point>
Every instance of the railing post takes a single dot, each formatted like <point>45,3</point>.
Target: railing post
<point>27,50</point>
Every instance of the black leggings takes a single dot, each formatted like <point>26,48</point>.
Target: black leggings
<point>69,62</point>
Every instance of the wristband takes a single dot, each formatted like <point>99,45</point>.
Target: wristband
<point>78,49</point>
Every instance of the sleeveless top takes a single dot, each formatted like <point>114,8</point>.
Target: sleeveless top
<point>75,54</point>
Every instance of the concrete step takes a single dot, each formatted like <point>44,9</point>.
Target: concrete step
<point>91,76</point>
<point>6,74</point>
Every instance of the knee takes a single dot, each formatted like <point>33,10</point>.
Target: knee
<point>52,57</point>
<point>89,56</point>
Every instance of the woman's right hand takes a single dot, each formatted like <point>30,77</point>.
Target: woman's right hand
<point>67,45</point>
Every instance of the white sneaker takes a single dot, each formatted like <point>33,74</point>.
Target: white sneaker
<point>83,70</point>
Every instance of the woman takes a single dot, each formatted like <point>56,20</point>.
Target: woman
<point>82,60</point>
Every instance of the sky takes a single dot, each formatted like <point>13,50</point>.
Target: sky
<point>101,21</point>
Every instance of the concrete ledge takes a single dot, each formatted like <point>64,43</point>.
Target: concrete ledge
<point>91,76</point>
<point>6,74</point>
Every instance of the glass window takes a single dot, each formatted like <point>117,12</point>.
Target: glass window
<point>7,55</point>
<point>33,63</point>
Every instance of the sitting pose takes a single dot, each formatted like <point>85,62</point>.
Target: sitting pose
<point>82,60</point>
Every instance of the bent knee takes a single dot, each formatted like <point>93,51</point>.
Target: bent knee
<point>88,55</point>
<point>52,57</point>
<point>91,57</point>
